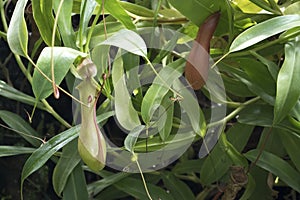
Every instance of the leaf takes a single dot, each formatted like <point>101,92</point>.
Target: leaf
<point>198,10</point>
<point>14,150</point>
<point>263,31</point>
<point>14,94</point>
<point>19,124</point>
<point>190,105</point>
<point>132,137</point>
<point>276,166</point>
<point>65,166</point>
<point>215,165</point>
<point>238,135</point>
<point>161,85</point>
<point>288,91</point>
<point>97,186</point>
<point>64,23</point>
<point>250,188</point>
<point>137,189</point>
<point>17,34</point>
<point>43,17</point>
<point>177,188</point>
<point>129,41</point>
<point>291,143</point>
<point>86,12</point>
<point>126,115</point>
<point>118,12</point>
<point>63,59</point>
<point>40,156</point>
<point>76,186</point>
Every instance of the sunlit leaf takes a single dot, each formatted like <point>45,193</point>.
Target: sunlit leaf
<point>263,31</point>
<point>288,91</point>
<point>63,59</point>
<point>126,115</point>
<point>44,19</point>
<point>118,12</point>
<point>17,34</point>
<point>44,152</point>
<point>86,12</point>
<point>128,40</point>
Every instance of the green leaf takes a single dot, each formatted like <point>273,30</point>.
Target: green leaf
<point>65,166</point>
<point>159,88</point>
<point>118,12</point>
<point>98,186</point>
<point>215,165</point>
<point>14,94</point>
<point>198,10</point>
<point>239,134</point>
<point>76,186</point>
<point>276,166</point>
<point>177,188</point>
<point>63,59</point>
<point>19,124</point>
<point>43,17</point>
<point>132,137</point>
<point>65,23</point>
<point>291,143</point>
<point>137,189</point>
<point>17,34</point>
<point>44,152</point>
<point>129,41</point>
<point>14,150</point>
<point>86,12</point>
<point>263,31</point>
<point>126,115</point>
<point>288,91</point>
<point>250,188</point>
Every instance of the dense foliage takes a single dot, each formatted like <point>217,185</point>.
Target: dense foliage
<point>235,138</point>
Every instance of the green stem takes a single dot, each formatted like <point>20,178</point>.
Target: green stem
<point>89,36</point>
<point>234,112</point>
<point>3,35</point>
<point>2,11</point>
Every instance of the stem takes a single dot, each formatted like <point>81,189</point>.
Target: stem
<point>89,36</point>
<point>234,112</point>
<point>143,178</point>
<point>3,18</point>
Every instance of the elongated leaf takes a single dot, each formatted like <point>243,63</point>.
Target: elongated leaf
<point>215,165</point>
<point>76,186</point>
<point>118,12</point>
<point>198,10</point>
<point>126,115</point>
<point>137,189</point>
<point>128,40</point>
<point>44,19</point>
<point>177,188</point>
<point>86,11</point>
<point>14,150</point>
<point>65,166</point>
<point>291,142</point>
<point>132,137</point>
<point>276,166</point>
<point>288,91</point>
<point>98,186</point>
<point>65,23</point>
<point>43,153</point>
<point>63,59</point>
<point>159,88</point>
<point>14,94</point>
<point>264,30</point>
<point>17,34</point>
<point>19,124</point>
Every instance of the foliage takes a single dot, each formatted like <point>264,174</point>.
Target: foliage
<point>237,137</point>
